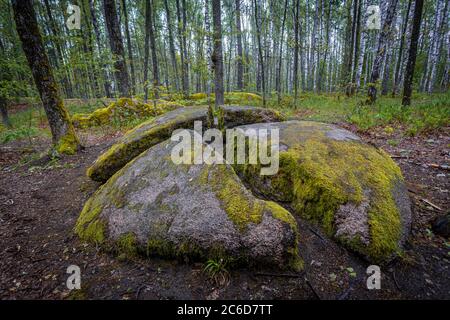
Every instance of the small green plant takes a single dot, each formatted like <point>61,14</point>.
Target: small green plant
<point>217,271</point>
<point>393,142</point>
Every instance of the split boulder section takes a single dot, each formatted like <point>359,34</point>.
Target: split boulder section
<point>327,177</point>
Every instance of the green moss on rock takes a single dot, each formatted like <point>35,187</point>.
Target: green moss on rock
<point>319,174</point>
<point>122,111</point>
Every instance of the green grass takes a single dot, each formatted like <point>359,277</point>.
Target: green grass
<point>26,124</point>
<point>427,113</point>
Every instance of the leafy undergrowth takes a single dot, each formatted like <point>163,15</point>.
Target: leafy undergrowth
<point>427,113</point>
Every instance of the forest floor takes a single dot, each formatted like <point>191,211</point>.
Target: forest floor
<point>40,201</point>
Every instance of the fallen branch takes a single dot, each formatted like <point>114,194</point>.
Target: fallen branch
<point>431,204</point>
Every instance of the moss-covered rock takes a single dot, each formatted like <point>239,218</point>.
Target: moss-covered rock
<point>123,110</point>
<point>200,211</point>
<point>156,130</point>
<point>329,177</point>
<point>230,98</point>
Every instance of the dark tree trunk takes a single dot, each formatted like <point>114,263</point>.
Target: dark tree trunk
<point>382,48</point>
<point>409,72</point>
<point>400,52</point>
<point>217,56</point>
<point>116,43</point>
<point>239,66</point>
<point>129,47</point>
<point>63,134</point>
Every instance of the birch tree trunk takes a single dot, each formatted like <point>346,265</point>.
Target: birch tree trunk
<point>438,35</point>
<point>362,49</point>
<point>381,51</point>
<point>400,52</point>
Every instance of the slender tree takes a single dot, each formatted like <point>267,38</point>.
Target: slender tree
<point>146,46</point>
<point>116,44</point>
<point>153,48</point>
<point>296,47</point>
<point>98,39</point>
<point>400,51</point>
<point>217,57</point>
<point>409,72</point>
<point>171,45</point>
<point>181,16</point>
<point>129,46</point>
<point>239,58</point>
<point>280,55</point>
<point>260,51</point>
<point>381,51</point>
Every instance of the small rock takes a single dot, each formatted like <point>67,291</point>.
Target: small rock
<point>441,226</point>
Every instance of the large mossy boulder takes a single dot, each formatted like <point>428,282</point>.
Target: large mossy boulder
<point>159,129</point>
<point>122,111</point>
<point>200,211</point>
<point>328,176</point>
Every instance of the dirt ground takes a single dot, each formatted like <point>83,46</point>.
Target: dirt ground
<point>40,202</point>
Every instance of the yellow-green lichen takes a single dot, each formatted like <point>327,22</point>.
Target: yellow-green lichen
<point>198,96</point>
<point>280,213</point>
<point>239,205</point>
<point>88,227</point>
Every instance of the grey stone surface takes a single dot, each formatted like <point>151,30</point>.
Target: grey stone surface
<point>186,210</point>
<point>159,129</point>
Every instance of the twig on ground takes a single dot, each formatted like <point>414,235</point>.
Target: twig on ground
<point>431,204</point>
